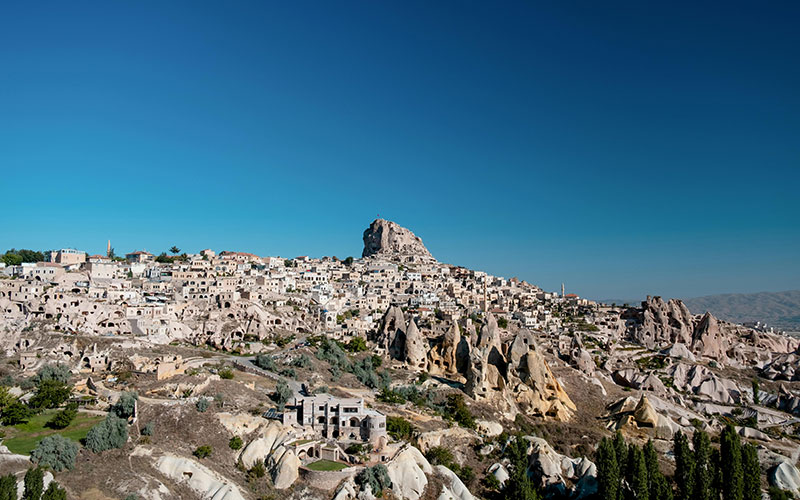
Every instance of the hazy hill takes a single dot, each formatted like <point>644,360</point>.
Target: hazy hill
<point>778,309</point>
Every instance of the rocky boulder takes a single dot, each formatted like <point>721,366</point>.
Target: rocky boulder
<point>785,476</point>
<point>388,239</point>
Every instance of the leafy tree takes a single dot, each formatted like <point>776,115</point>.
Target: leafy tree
<point>8,487</point>
<point>34,484</point>
<point>502,322</point>
<point>148,429</point>
<point>439,455</point>
<point>399,428</point>
<point>174,250</point>
<point>202,451</point>
<point>457,409</point>
<point>731,464</point>
<point>125,407</point>
<point>684,466</point>
<point>265,362</point>
<point>110,433</point>
<point>608,474</point>
<point>348,261</point>
<point>50,393</point>
<point>58,371</point>
<point>752,473</point>
<point>236,443</point>
<point>704,488</point>
<point>302,361</point>
<point>55,451</point>
<point>357,344</point>
<point>11,259</point>
<point>519,485</point>
<point>282,394</point>
<point>62,419</point>
<point>6,398</point>
<point>16,413</point>
<point>377,477</point>
<point>54,492</point>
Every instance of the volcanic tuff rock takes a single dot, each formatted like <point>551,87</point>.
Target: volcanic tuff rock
<point>386,238</point>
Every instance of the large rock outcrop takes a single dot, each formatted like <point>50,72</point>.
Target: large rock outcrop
<point>518,380</point>
<point>387,239</point>
<point>559,475</point>
<point>205,482</point>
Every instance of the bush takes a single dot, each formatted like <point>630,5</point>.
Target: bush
<point>490,482</point>
<point>399,428</point>
<point>331,352</point>
<point>58,372</point>
<point>62,419</point>
<point>265,362</point>
<point>457,410</point>
<point>125,407</point>
<point>202,451</point>
<point>357,344</point>
<point>108,434</point>
<point>202,405</point>
<point>236,443</point>
<point>56,452</point>
<point>148,429</point>
<point>439,455</point>
<point>377,477</point>
<point>226,373</point>
<point>289,373</point>
<point>302,361</point>
<point>258,470</point>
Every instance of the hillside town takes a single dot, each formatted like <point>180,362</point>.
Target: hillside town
<point>236,376</point>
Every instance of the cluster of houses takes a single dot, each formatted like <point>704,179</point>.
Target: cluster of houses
<point>230,298</point>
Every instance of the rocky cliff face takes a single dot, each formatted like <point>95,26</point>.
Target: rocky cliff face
<point>387,239</point>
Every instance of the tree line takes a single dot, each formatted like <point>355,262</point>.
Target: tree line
<point>702,472</point>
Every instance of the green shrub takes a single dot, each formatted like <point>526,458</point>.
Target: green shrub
<point>56,452</point>
<point>257,471</point>
<point>302,361</point>
<point>439,455</point>
<point>457,410</point>
<point>16,413</point>
<point>202,405</point>
<point>282,394</point>
<point>202,451</point>
<point>54,492</point>
<point>236,443</point>
<point>377,477</point>
<point>62,419</point>
<point>288,373</point>
<point>265,362</point>
<point>226,373</point>
<point>125,406</point>
<point>58,372</point>
<point>148,429</point>
<point>108,434</point>
<point>399,428</point>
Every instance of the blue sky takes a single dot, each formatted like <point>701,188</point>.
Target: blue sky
<point>624,148</point>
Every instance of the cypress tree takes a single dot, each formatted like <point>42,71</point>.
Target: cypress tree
<point>752,473</point>
<point>704,488</point>
<point>637,474</point>
<point>658,485</point>
<point>731,464</point>
<point>34,484</point>
<point>608,476</point>
<point>8,487</point>
<point>621,450</point>
<point>684,467</point>
<point>716,473</point>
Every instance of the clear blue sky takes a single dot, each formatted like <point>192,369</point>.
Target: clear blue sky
<point>624,148</point>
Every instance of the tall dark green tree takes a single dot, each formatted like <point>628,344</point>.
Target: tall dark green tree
<point>638,485</point>
<point>716,469</point>
<point>684,467</point>
<point>608,476</point>
<point>34,484</point>
<point>519,486</point>
<point>730,450</point>
<point>621,450</point>
<point>704,484</point>
<point>752,473</point>
<point>54,492</point>
<point>658,485</point>
<point>8,487</point>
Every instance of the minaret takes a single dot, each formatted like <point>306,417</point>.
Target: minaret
<point>562,290</point>
<point>108,249</point>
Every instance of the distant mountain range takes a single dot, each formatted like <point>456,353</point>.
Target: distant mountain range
<point>777,309</point>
